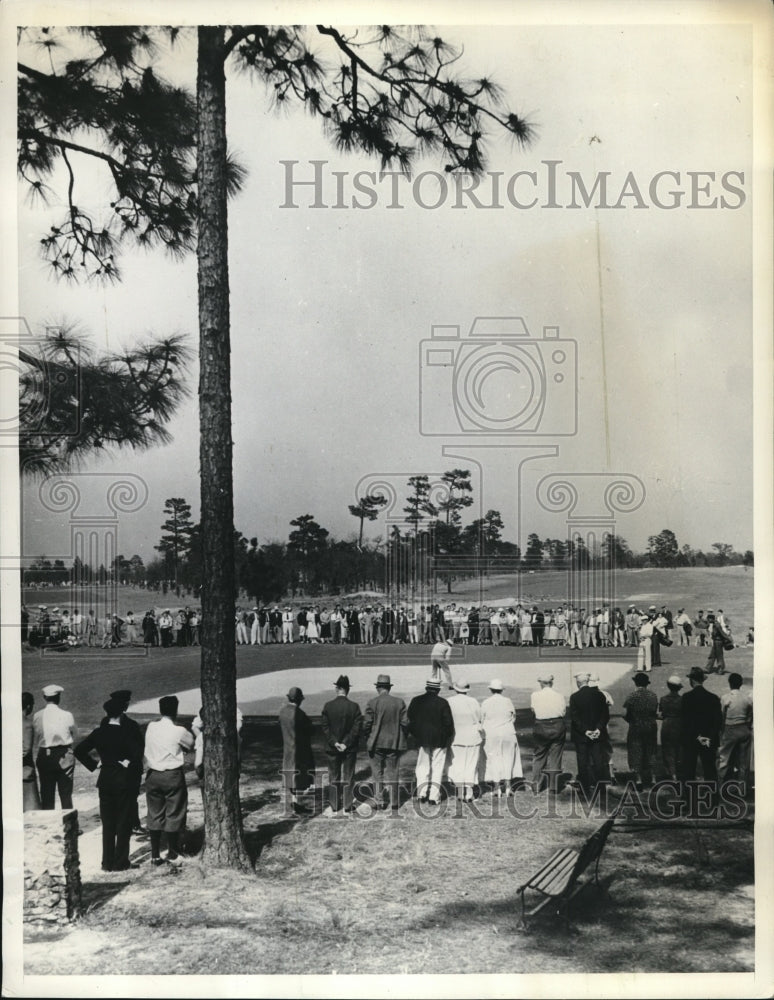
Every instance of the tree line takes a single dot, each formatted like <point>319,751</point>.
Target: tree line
<point>311,561</point>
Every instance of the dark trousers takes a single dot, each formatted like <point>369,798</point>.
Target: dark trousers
<point>641,751</point>
<point>115,810</point>
<point>550,736</point>
<point>54,776</point>
<point>384,769</point>
<point>691,754</point>
<point>341,777</point>
<point>716,657</point>
<point>671,745</point>
<point>592,762</point>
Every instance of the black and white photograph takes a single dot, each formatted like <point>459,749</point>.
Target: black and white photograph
<point>386,461</point>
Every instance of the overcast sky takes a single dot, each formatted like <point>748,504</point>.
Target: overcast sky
<point>330,306</point>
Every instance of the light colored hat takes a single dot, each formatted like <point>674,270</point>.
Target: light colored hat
<point>593,681</point>
<point>433,684</point>
<point>383,680</point>
<point>461,687</point>
<point>55,610</point>
<point>546,678</point>
<point>582,675</point>
<point>495,684</point>
<point>51,689</point>
<point>675,681</point>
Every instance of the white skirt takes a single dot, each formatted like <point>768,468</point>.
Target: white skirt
<point>464,764</point>
<point>503,759</point>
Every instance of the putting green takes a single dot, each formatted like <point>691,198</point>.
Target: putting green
<point>264,694</point>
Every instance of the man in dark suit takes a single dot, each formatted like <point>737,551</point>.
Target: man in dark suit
<point>341,724</point>
<point>589,715</point>
<point>701,722</point>
<point>123,698</point>
<point>385,728</point>
<point>119,744</point>
<point>432,726</point>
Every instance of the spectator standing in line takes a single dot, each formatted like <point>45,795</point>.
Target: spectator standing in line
<point>165,628</point>
<point>503,759</point>
<point>55,733</point>
<point>118,743</point>
<point>670,712</point>
<point>640,711</point>
<point>589,715</point>
<point>701,720</point>
<point>342,721</point>
<point>297,755</point>
<point>430,723</point>
<point>736,736</point>
<point>123,698</point>
<point>466,745</point>
<point>166,792</point>
<point>549,733</point>
<point>385,727</point>
<point>645,652</point>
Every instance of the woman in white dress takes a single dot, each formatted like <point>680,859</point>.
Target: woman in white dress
<point>312,625</point>
<point>552,629</point>
<point>503,760</point>
<point>526,628</point>
<point>466,745</point>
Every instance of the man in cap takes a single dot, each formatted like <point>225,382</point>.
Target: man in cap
<point>589,715</point>
<point>55,733</point>
<point>287,625</point>
<point>645,652</point>
<point>701,721</point>
<point>123,698</point>
<point>430,723</point>
<point>640,710</point>
<point>439,659</point>
<point>550,732</point>
<point>297,756</point>
<point>385,727</point>
<point>119,744</point>
<point>341,724</point>
<point>670,712</point>
<point>166,792</point>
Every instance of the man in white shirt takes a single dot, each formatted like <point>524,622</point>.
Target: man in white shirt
<point>287,625</point>
<point>439,660</point>
<point>166,792</point>
<point>55,731</point>
<point>550,732</point>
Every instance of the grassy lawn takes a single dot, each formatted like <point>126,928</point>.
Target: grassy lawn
<point>416,894</point>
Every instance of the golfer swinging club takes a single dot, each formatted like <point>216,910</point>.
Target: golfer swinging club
<point>439,659</point>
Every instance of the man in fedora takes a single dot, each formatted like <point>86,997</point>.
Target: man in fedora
<point>385,728</point>
<point>701,721</point>
<point>297,756</point>
<point>589,715</point>
<point>549,733</point>
<point>341,724</point>
<point>55,733</point>
<point>431,724</point>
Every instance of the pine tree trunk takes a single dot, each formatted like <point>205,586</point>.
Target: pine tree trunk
<point>224,844</point>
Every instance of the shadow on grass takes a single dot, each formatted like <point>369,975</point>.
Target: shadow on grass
<point>94,895</point>
<point>262,836</point>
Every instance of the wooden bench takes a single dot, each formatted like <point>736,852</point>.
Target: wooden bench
<point>561,878</point>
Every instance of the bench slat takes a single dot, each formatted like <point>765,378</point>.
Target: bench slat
<point>554,874</point>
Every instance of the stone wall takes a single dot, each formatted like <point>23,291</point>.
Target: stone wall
<point>52,868</point>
